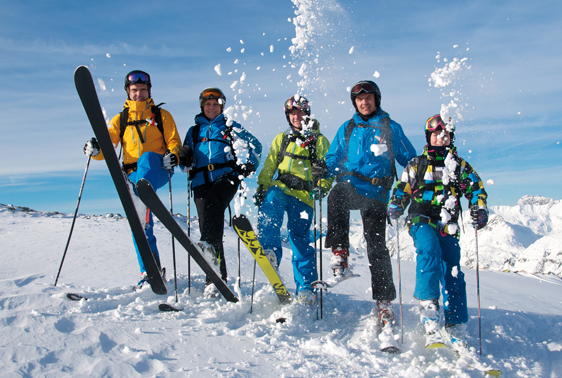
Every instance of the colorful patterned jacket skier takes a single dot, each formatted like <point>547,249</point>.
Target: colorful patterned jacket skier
<point>436,195</point>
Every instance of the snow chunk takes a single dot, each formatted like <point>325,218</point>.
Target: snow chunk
<point>108,55</point>
<point>218,69</point>
<point>490,182</point>
<point>376,74</point>
<point>271,48</point>
<point>229,49</point>
<point>351,50</point>
<point>101,83</point>
<point>379,149</point>
<point>304,215</point>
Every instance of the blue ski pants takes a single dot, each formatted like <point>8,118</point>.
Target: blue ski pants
<point>299,219</point>
<point>149,167</point>
<point>438,262</point>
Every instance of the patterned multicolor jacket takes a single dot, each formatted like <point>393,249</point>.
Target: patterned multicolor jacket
<point>436,195</point>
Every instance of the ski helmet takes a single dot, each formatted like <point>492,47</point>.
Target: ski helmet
<point>366,86</point>
<point>138,77</point>
<point>436,123</point>
<point>296,102</point>
<point>209,93</point>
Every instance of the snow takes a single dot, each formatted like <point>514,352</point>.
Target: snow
<point>118,332</point>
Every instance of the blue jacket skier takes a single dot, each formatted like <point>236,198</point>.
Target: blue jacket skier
<point>291,172</point>
<point>149,150</point>
<point>361,157</point>
<point>433,184</point>
<point>218,153</point>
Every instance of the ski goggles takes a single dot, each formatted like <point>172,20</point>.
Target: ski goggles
<point>300,104</point>
<point>211,93</point>
<point>363,87</point>
<point>138,77</point>
<point>436,122</point>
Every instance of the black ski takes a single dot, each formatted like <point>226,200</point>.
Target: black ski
<point>168,308</point>
<point>152,201</point>
<point>87,92</point>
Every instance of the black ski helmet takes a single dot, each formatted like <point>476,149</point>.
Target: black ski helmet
<point>138,77</point>
<point>366,86</point>
<point>434,123</point>
<point>296,102</point>
<point>212,92</point>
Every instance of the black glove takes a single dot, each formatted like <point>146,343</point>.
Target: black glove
<point>479,217</point>
<point>319,170</point>
<point>246,169</point>
<point>170,160</point>
<point>186,155</point>
<point>92,147</point>
<point>259,197</point>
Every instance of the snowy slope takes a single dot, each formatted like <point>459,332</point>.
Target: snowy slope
<point>119,333</point>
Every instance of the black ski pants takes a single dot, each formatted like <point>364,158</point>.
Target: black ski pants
<point>343,198</point>
<point>211,201</point>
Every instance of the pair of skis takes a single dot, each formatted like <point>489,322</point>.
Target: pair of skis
<point>87,92</point>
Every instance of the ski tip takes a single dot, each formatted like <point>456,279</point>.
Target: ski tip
<point>165,307</point>
<point>493,373</point>
<point>390,349</point>
<point>435,346</point>
<point>75,297</point>
<point>280,320</point>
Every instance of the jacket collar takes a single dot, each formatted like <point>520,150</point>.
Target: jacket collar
<point>138,106</point>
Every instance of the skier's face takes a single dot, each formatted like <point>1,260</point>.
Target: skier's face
<point>365,103</point>
<point>296,117</point>
<point>440,138</point>
<point>211,108</point>
<point>138,92</point>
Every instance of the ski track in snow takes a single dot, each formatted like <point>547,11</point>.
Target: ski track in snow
<point>118,332</point>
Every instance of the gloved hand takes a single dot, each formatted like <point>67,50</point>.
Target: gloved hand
<point>246,169</point>
<point>170,160</point>
<point>186,155</point>
<point>395,211</point>
<point>92,147</point>
<point>315,194</point>
<point>319,170</point>
<point>479,217</point>
<point>259,197</point>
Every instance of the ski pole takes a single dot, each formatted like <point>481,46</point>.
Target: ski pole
<point>173,242</point>
<point>253,283</point>
<point>315,244</point>
<point>399,282</point>
<point>74,219</point>
<point>478,289</point>
<point>320,224</point>
<point>188,233</point>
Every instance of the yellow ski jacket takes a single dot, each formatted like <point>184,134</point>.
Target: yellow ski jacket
<point>154,141</point>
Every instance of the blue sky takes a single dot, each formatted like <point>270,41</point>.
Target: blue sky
<point>510,95</point>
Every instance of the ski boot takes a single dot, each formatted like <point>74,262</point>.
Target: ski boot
<point>338,263</point>
<point>211,291</point>
<point>458,337</point>
<point>143,280</point>
<point>385,314</point>
<point>307,297</point>
<point>209,252</point>
<point>429,316</point>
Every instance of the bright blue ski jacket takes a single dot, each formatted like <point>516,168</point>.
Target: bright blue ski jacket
<point>213,148</point>
<point>361,154</point>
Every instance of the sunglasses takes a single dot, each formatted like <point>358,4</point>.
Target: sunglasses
<point>363,87</point>
<point>291,103</point>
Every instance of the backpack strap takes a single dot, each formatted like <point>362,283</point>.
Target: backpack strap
<point>156,117</point>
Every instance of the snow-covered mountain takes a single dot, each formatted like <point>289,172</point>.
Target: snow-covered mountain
<point>121,333</point>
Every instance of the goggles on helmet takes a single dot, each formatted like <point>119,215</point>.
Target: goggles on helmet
<point>138,77</point>
<point>435,122</point>
<point>300,104</point>
<point>212,93</point>
<point>363,88</point>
